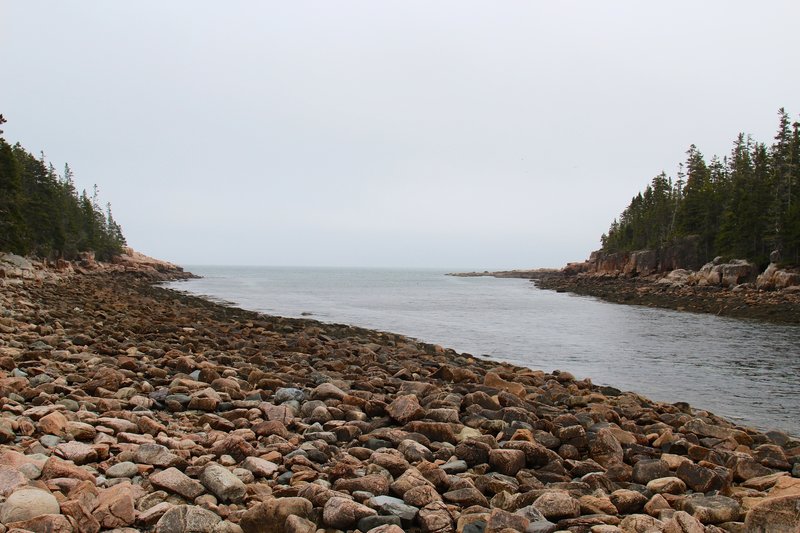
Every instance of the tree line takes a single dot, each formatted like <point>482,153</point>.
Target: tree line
<point>745,205</point>
<point>42,214</point>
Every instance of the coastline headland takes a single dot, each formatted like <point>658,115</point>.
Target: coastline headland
<point>734,288</point>
<point>125,406</point>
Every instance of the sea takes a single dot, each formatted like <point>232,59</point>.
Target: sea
<point>744,370</point>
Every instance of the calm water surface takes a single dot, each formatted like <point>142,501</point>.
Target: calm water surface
<point>744,370</point>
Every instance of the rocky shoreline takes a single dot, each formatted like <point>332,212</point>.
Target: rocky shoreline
<point>780,307</point>
<point>669,291</point>
<point>129,407</point>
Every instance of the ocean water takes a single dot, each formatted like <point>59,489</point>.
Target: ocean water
<point>746,371</point>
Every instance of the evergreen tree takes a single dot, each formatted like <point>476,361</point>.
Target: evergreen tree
<point>11,222</point>
<point>745,205</point>
<point>41,213</point>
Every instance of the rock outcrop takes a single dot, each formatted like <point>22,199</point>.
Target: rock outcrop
<point>676,265</point>
<point>15,269</point>
<point>776,278</point>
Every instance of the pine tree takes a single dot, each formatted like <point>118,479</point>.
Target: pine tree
<point>744,205</point>
<point>41,213</point>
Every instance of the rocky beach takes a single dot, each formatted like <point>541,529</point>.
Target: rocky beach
<point>128,407</point>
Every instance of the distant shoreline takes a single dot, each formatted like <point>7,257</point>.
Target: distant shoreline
<point>521,273</point>
<point>780,307</point>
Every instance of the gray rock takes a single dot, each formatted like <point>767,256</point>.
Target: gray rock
<point>155,455</point>
<point>223,483</point>
<point>227,527</point>
<point>455,467</point>
<point>17,261</point>
<point>541,526</point>
<point>71,405</point>
<point>394,506</point>
<point>647,470</point>
<point>50,441</point>
<point>176,481</point>
<point>123,469</point>
<point>479,526</point>
<point>531,513</point>
<point>182,399</point>
<point>371,522</point>
<point>289,394</point>
<point>188,519</point>
<point>30,471</point>
<point>26,503</point>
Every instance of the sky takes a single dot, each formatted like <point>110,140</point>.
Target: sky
<point>437,133</point>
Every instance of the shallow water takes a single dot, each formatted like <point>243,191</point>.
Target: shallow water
<point>744,370</point>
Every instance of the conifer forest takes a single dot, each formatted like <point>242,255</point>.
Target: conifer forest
<point>43,215</point>
<point>743,205</point>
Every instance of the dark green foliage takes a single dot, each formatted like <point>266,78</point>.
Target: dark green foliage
<point>744,206</point>
<point>41,213</point>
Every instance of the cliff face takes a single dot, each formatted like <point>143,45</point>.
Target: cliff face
<point>683,264</point>
<point>684,254</point>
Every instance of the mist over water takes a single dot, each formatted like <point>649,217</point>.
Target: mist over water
<point>746,371</point>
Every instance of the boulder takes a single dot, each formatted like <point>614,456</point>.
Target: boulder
<point>405,408</point>
<point>259,467</point>
<point>27,503</point>
<point>10,479</point>
<point>114,507</point>
<point>176,481</point>
<point>557,505</point>
<point>435,518</point>
<point>500,520</point>
<point>606,449</point>
<point>628,501</point>
<point>775,278</point>
<point>125,469</point>
<point>394,506</point>
<point>775,515</point>
<point>187,519</point>
<point>272,515</point>
<point>46,523</point>
<point>667,485</point>
<point>155,455</point>
<point>373,483</point>
<point>713,509</point>
<point>507,461</point>
<point>342,513</point>
<point>223,483</point>
<point>682,522</point>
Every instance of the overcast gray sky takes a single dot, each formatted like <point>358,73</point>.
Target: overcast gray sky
<point>386,133</point>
